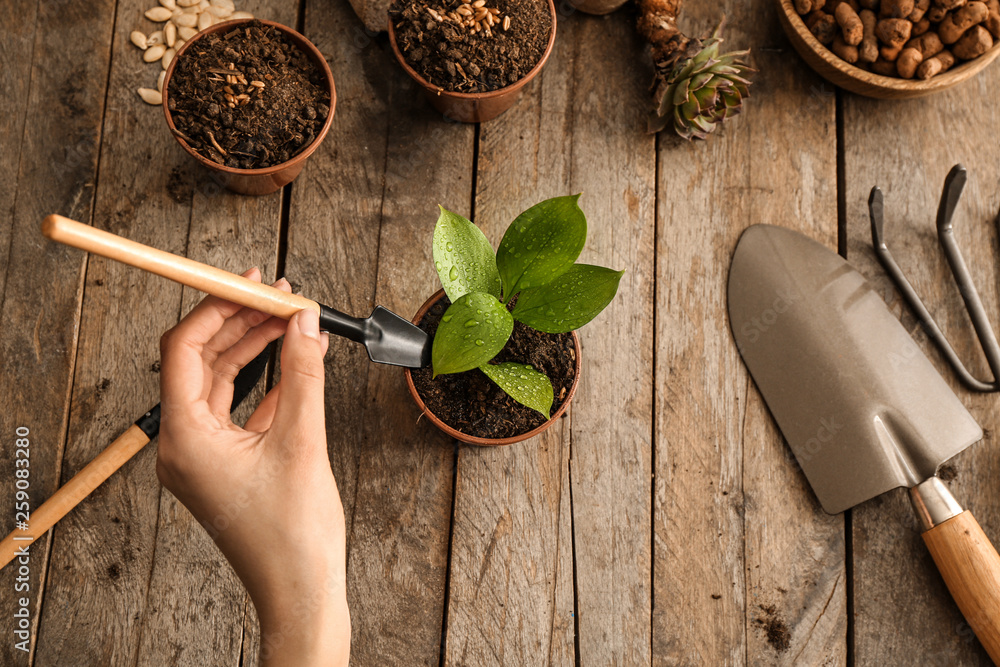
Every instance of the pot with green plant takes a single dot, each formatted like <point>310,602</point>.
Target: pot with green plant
<point>505,355</point>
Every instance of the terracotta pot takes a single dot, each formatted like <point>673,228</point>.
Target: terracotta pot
<point>475,107</point>
<point>268,179</point>
<point>598,7</point>
<point>471,439</point>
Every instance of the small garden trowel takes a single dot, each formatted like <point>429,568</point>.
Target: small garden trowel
<point>861,407</point>
<point>388,338</point>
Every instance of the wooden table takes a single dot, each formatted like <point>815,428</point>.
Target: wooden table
<point>661,522</point>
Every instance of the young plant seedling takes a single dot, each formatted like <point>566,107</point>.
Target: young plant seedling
<point>536,262</point>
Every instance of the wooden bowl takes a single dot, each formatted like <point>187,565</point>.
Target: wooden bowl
<point>828,65</point>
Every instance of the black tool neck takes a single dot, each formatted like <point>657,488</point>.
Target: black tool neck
<point>341,324</point>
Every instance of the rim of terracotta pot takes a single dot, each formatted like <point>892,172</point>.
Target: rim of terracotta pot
<point>304,45</point>
<point>490,442</point>
<point>517,85</point>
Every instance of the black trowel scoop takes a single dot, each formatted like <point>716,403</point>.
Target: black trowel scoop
<point>388,338</point>
<point>860,405</point>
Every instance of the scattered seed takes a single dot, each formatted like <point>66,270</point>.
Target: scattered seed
<point>506,23</point>
<point>168,55</point>
<point>230,97</point>
<point>488,32</point>
<point>187,3</point>
<point>223,3</point>
<point>159,80</point>
<point>227,89</point>
<point>243,96</point>
<point>154,53</point>
<point>205,20</point>
<point>158,14</point>
<point>155,38</point>
<point>139,39</point>
<point>479,3</point>
<point>150,96</point>
<point>489,20</point>
<point>186,33</point>
<point>186,20</point>
<point>169,4</point>
<point>242,79</point>
<point>480,14</point>
<point>257,84</point>
<point>494,11</point>
<point>240,15</point>
<point>464,10</point>
<point>170,33</point>
<point>221,12</point>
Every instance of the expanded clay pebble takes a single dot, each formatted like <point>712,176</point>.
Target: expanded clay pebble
<point>182,20</point>
<point>904,38</point>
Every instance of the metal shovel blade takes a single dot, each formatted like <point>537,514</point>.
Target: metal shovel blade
<point>388,338</point>
<point>860,405</point>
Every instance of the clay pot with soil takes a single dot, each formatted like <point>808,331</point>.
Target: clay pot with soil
<point>505,356</point>
<point>472,57</point>
<point>250,100</point>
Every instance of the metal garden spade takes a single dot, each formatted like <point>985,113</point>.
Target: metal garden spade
<point>861,407</point>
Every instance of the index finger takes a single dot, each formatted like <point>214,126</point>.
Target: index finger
<point>184,376</point>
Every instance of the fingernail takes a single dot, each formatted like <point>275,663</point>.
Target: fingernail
<point>309,323</point>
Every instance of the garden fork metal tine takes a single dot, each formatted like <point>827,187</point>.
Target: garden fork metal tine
<point>953,186</point>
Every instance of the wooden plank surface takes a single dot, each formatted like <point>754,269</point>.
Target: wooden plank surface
<point>907,148</point>
<point>748,568</point>
<point>50,117</point>
<point>511,568</point>
<point>103,552</point>
<point>614,164</point>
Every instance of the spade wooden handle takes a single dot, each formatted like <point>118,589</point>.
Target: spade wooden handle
<point>970,567</point>
<point>72,492</point>
<point>185,271</point>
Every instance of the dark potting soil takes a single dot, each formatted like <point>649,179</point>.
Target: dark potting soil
<point>268,124</point>
<point>448,54</point>
<point>471,403</point>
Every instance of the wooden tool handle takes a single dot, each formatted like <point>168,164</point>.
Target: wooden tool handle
<point>970,567</point>
<point>188,272</point>
<point>72,492</point>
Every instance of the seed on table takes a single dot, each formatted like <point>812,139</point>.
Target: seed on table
<point>506,23</point>
<point>169,4</point>
<point>240,15</point>
<point>150,96</point>
<point>186,33</point>
<point>186,20</point>
<point>223,3</point>
<point>170,34</point>
<point>155,38</point>
<point>159,80</point>
<point>168,55</point>
<point>154,53</point>
<point>187,3</point>
<point>158,14</point>
<point>205,19</point>
<point>220,12</point>
<point>139,39</point>
<point>203,5</point>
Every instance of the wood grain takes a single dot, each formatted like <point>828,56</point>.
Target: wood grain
<point>103,552</point>
<point>50,128</point>
<point>511,568</point>
<point>613,162</point>
<point>970,566</point>
<point>748,569</point>
<point>909,161</point>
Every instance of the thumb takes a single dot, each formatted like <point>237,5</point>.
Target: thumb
<point>302,375</point>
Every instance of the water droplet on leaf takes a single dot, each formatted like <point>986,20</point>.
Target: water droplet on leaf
<point>453,274</point>
<point>480,341</point>
<point>449,246</point>
<point>471,323</point>
<point>446,318</point>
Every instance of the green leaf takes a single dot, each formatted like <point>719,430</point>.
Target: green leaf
<point>522,383</point>
<point>569,301</point>
<point>540,244</point>
<point>463,257</point>
<point>472,331</point>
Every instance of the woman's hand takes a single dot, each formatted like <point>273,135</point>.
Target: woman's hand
<point>265,492</point>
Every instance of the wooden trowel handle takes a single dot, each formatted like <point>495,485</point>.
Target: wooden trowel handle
<point>72,492</point>
<point>188,272</point>
<point>970,567</point>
